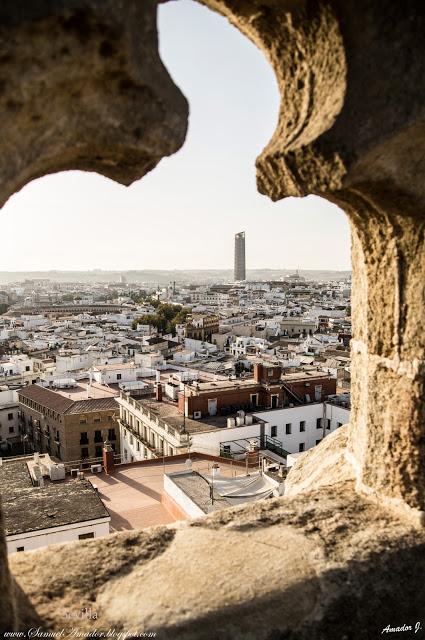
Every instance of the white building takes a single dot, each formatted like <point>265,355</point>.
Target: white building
<point>115,373</point>
<point>16,366</point>
<point>150,429</point>
<point>38,512</point>
<point>9,423</point>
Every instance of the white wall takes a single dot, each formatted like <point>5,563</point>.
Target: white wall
<point>74,362</point>
<point>56,535</point>
<point>8,405</point>
<point>110,376</point>
<point>209,442</point>
<point>308,414</point>
<point>189,507</point>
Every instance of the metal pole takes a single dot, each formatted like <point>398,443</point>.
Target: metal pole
<point>184,408</point>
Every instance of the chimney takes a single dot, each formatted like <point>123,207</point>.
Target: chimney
<point>108,458</point>
<point>258,372</point>
<point>158,392</point>
<point>252,454</point>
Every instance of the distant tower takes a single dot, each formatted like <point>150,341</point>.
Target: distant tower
<point>240,271</point>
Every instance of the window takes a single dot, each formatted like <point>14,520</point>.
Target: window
<point>10,416</point>
<point>318,441</point>
<point>339,424</point>
<point>83,420</point>
<point>318,423</point>
<point>288,428</point>
<point>275,402</point>
<point>96,420</point>
<point>11,429</point>
<point>20,548</point>
<point>254,399</point>
<point>83,438</point>
<point>302,446</point>
<point>27,368</point>
<point>302,425</point>
<point>137,445</point>
<point>85,536</point>
<point>98,436</point>
<point>118,376</point>
<point>273,432</point>
<point>328,424</point>
<point>84,452</point>
<point>98,452</point>
<point>111,434</point>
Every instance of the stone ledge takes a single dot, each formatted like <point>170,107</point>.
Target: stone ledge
<point>324,564</point>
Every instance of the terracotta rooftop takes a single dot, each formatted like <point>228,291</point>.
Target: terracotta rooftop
<point>56,401</point>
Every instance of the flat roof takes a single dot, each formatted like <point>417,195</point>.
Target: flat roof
<point>227,491</point>
<point>28,508</point>
<point>222,385</point>
<point>133,492</point>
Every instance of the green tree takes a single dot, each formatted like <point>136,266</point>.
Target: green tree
<point>165,318</point>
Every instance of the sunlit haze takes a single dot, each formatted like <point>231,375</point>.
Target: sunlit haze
<point>185,213</point>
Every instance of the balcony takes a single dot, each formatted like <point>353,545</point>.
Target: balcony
<point>149,445</point>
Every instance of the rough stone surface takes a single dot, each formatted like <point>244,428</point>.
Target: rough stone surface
<point>82,86</point>
<point>352,91</point>
<point>302,41</point>
<point>323,564</point>
<point>388,351</point>
<point>324,465</point>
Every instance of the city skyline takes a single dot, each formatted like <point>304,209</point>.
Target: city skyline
<point>184,213</point>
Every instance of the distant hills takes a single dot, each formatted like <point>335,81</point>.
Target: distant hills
<point>163,277</point>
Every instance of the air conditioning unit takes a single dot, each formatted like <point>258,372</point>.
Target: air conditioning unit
<point>96,468</point>
<point>197,415</point>
<point>57,472</point>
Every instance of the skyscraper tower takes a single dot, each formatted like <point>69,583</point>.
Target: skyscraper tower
<point>240,271</point>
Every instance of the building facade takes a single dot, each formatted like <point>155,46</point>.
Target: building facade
<point>145,433</point>
<point>67,429</point>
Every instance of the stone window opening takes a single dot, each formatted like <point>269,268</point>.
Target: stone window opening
<point>350,129</point>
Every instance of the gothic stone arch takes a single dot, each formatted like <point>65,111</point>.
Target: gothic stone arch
<point>82,86</point>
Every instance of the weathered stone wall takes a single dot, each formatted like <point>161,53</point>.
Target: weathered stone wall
<point>82,86</point>
<point>321,565</point>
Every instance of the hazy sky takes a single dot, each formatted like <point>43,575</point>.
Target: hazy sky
<point>185,213</point>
